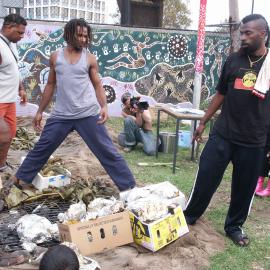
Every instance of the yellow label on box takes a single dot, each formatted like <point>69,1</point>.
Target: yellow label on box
<point>140,231</point>
<point>168,229</point>
<point>159,233</point>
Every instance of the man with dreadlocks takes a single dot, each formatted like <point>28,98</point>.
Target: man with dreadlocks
<point>239,133</point>
<point>80,105</point>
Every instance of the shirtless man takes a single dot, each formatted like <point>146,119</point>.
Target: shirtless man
<point>137,127</point>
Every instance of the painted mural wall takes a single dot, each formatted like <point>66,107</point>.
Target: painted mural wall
<point>155,64</point>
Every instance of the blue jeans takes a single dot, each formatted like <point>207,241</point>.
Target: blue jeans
<point>96,138</point>
<point>134,134</point>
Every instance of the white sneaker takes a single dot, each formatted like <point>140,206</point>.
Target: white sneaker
<point>127,149</point>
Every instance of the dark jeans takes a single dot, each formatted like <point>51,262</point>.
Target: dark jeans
<point>214,160</point>
<point>94,135</point>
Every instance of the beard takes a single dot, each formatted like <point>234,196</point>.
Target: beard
<point>78,46</point>
<point>250,49</point>
<point>247,50</point>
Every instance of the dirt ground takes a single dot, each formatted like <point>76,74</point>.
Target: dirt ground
<point>189,252</point>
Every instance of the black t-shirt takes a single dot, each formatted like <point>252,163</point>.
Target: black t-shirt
<point>244,118</point>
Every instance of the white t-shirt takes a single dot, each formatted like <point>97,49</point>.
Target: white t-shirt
<point>9,72</point>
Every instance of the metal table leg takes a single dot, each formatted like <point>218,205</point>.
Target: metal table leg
<point>194,143</point>
<point>157,139</point>
<point>175,149</point>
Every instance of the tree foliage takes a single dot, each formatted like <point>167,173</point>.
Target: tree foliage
<point>176,14</point>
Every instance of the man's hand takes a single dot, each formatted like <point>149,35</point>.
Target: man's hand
<point>103,115</point>
<point>197,135</point>
<point>136,110</point>
<point>37,121</point>
<point>23,96</point>
<point>268,156</point>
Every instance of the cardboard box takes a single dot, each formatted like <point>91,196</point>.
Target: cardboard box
<point>41,182</point>
<point>98,235</point>
<point>159,233</point>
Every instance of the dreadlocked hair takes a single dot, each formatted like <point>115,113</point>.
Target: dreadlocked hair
<point>254,17</point>
<point>70,31</point>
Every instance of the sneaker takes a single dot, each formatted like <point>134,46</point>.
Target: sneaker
<point>3,168</point>
<point>7,168</point>
<point>127,149</point>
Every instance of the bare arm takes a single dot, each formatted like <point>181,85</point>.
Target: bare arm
<point>50,86</point>
<point>124,114</point>
<point>22,93</point>
<point>48,92</point>
<point>215,104</point>
<point>128,112</point>
<point>100,93</point>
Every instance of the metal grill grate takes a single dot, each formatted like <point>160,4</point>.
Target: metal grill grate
<point>9,240</point>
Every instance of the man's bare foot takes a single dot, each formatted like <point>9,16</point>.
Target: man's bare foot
<point>18,183</point>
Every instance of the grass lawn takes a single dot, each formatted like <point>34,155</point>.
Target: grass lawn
<point>257,255</point>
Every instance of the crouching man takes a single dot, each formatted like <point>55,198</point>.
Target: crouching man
<point>137,125</point>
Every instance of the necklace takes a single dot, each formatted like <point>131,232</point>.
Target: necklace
<point>251,63</point>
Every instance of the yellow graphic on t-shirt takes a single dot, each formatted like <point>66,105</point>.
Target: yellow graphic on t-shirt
<point>249,79</point>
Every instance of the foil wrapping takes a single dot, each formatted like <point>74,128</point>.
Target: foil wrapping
<point>36,229</point>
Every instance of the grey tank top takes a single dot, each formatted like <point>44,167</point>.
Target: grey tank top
<point>75,94</point>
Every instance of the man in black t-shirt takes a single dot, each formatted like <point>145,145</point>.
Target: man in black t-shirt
<point>239,134</point>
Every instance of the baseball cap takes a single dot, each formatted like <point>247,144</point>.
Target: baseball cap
<point>125,97</point>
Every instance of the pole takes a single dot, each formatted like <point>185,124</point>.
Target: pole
<point>125,9</point>
<point>199,56</point>
<point>199,64</point>
<point>252,9</point>
<point>234,26</point>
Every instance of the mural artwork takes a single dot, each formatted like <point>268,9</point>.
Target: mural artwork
<point>157,65</point>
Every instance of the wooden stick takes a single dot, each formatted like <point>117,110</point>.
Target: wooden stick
<point>156,164</point>
<point>41,196</point>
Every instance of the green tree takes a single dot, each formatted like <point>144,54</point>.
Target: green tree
<point>176,14</point>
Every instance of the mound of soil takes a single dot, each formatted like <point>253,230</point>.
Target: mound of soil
<point>189,252</point>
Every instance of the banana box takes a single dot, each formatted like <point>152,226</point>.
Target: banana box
<point>161,232</point>
<point>98,235</point>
